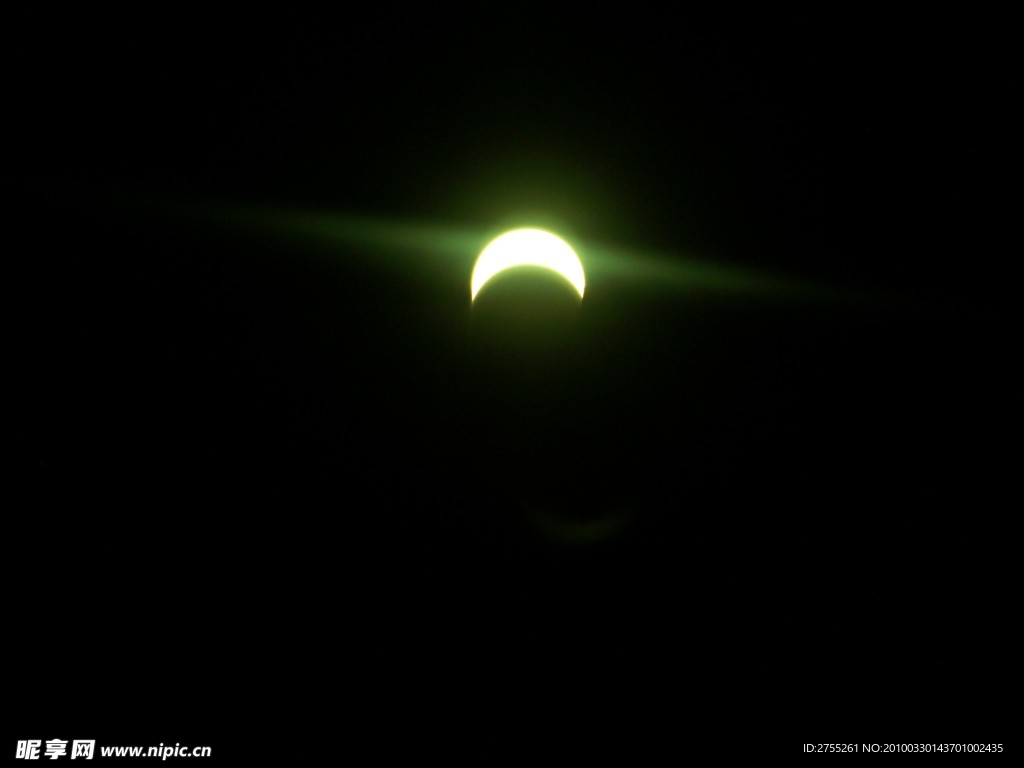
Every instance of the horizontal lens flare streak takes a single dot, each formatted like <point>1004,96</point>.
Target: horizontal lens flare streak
<point>397,238</point>
<point>672,273</point>
<point>451,250</point>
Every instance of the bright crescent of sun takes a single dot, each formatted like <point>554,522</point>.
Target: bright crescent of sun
<point>530,248</point>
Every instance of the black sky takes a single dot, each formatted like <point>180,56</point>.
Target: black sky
<point>287,476</point>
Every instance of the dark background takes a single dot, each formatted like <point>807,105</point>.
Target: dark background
<point>282,489</point>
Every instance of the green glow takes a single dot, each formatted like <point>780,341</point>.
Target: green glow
<point>446,253</point>
<point>568,530</point>
<point>528,247</point>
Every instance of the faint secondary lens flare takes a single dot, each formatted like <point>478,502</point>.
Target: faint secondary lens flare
<point>527,248</point>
